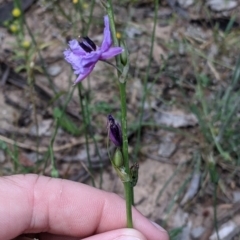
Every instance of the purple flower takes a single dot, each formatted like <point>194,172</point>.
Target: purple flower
<point>85,54</point>
<point>115,132</point>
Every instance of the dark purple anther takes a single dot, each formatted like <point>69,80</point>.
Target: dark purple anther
<point>87,44</point>
<point>115,132</point>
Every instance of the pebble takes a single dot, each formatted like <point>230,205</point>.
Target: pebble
<point>197,232</point>
<point>221,5</point>
<point>236,196</point>
<point>224,231</point>
<point>54,70</point>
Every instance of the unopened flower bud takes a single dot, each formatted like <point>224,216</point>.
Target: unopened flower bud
<point>118,35</point>
<point>124,54</point>
<point>54,173</point>
<point>26,44</point>
<point>115,132</point>
<point>16,12</point>
<point>13,28</point>
<point>118,158</point>
<point>85,5</point>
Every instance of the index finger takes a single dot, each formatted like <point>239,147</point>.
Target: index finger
<point>32,204</point>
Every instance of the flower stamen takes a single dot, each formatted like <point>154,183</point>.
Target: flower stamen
<point>87,44</point>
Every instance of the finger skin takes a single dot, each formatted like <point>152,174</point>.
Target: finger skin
<point>118,234</point>
<point>32,204</point>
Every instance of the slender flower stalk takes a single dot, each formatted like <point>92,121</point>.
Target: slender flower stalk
<point>83,56</point>
<point>128,188</point>
<point>85,122</point>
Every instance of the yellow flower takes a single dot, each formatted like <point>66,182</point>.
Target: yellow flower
<point>26,44</point>
<point>119,35</point>
<point>13,28</point>
<point>16,12</point>
<point>75,1</point>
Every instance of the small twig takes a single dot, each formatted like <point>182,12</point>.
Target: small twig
<point>112,65</point>
<point>86,169</point>
<point>42,149</point>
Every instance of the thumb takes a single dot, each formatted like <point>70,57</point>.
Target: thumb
<point>119,234</point>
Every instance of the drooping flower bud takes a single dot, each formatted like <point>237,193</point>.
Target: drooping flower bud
<point>115,132</point>
<point>118,158</point>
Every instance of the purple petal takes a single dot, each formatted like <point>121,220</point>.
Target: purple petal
<point>111,53</point>
<point>107,39</point>
<point>90,59</point>
<point>84,74</point>
<point>74,60</point>
<point>116,139</point>
<point>76,48</point>
<point>115,132</point>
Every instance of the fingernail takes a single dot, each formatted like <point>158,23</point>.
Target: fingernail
<point>158,227</point>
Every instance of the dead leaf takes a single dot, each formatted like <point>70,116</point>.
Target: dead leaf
<point>158,53</point>
<point>176,119</point>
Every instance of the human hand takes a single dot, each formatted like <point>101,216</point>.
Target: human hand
<point>64,210</point>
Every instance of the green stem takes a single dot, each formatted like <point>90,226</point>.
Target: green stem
<point>95,143</point>
<point>88,100</point>
<point>122,87</point>
<point>18,4</point>
<point>90,16</point>
<point>113,30</point>
<point>41,58</point>
<point>61,10</point>
<point>50,151</point>
<point>128,196</point>
<point>127,185</point>
<point>80,10</point>
<point>31,82</point>
<point>85,122</point>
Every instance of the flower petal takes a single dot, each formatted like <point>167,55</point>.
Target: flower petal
<point>83,61</point>
<point>74,60</point>
<point>107,39</point>
<point>76,48</point>
<point>111,53</point>
<point>84,74</point>
<point>90,58</point>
